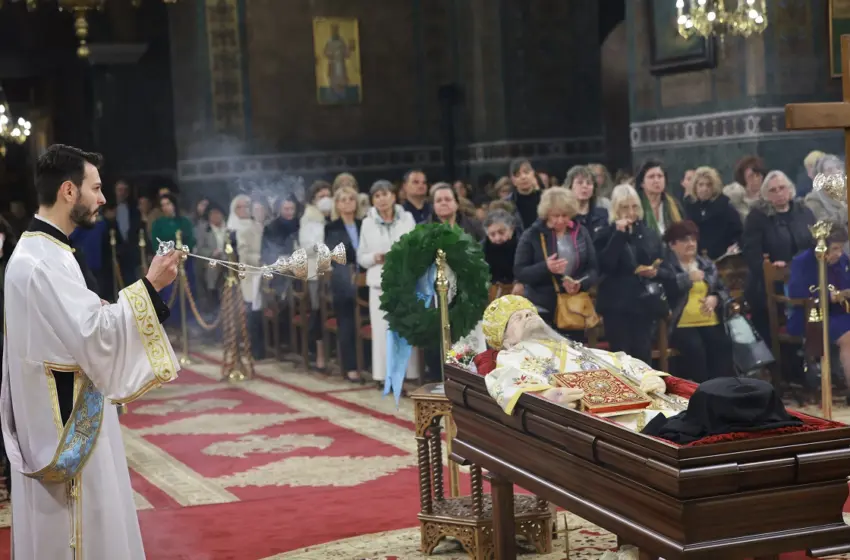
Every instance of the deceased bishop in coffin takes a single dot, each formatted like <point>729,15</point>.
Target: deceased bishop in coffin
<point>534,358</point>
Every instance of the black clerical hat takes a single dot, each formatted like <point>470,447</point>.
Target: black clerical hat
<point>724,405</point>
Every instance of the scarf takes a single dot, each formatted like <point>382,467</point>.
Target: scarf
<point>668,206</point>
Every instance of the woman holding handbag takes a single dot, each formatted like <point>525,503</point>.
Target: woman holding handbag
<point>556,261</point>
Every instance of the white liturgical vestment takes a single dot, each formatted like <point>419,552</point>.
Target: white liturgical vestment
<point>71,494</point>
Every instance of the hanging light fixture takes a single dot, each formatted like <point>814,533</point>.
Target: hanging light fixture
<point>12,130</point>
<point>81,9</point>
<point>707,18</point>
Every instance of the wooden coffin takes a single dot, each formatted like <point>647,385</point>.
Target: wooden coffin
<point>731,500</point>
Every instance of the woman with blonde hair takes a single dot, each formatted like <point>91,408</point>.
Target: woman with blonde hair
<point>344,180</point>
<point>630,254</point>
<point>719,223</point>
<point>555,255</point>
<point>344,228</point>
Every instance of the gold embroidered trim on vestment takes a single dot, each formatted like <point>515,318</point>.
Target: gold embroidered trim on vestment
<point>152,384</point>
<point>151,332</point>
<point>48,237</point>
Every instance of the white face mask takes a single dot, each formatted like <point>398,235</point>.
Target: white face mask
<point>325,205</point>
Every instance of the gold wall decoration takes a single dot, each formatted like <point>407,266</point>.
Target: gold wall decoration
<point>225,59</point>
<point>336,47</point>
<point>839,24</point>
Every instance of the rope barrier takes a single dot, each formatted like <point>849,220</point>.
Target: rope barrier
<point>194,307</point>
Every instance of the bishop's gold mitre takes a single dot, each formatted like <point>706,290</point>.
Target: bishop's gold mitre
<point>497,315</point>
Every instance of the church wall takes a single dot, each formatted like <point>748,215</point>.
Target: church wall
<point>525,85</point>
<point>718,115</point>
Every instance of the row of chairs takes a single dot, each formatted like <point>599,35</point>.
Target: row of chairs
<point>299,312</point>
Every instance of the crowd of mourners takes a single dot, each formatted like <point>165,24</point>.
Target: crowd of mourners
<point>650,255</point>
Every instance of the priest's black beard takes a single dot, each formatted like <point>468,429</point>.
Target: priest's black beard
<point>81,216</point>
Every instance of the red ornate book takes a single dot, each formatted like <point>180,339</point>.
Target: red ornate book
<point>603,391</point>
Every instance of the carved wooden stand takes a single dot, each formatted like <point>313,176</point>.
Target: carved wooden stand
<point>468,519</point>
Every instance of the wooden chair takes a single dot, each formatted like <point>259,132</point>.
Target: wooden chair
<point>330,326</point>
<point>662,351</point>
<point>271,321</point>
<point>778,334</point>
<point>733,273</point>
<point>299,320</point>
<point>363,328</point>
<point>500,289</point>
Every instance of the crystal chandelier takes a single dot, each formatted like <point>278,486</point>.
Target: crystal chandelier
<point>706,18</point>
<point>81,9</point>
<point>12,131</point>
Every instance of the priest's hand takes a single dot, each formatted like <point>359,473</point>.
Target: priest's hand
<point>653,384</point>
<point>566,396</point>
<point>163,269</point>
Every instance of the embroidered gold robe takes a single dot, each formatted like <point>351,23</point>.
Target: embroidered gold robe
<point>528,367</point>
<point>71,494</point>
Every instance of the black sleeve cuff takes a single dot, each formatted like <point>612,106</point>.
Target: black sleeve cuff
<point>162,311</point>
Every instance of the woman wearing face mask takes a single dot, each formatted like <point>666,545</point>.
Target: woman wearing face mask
<point>804,274</point>
<point>385,223</point>
<point>310,233</point>
<point>697,301</point>
<point>445,210</point>
<point>719,223</point>
<point>777,226</point>
<point>659,208</point>
<point>591,215</point>
<point>629,252</point>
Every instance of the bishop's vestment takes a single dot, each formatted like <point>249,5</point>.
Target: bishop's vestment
<point>67,360</point>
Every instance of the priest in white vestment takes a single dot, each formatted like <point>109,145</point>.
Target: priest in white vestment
<point>530,352</point>
<point>68,359</point>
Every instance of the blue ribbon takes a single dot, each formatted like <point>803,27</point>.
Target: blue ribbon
<point>399,349</point>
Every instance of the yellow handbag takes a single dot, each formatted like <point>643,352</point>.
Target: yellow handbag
<point>574,312</point>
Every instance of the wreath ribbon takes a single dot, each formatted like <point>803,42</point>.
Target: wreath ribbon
<point>399,349</point>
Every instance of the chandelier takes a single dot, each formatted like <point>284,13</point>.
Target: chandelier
<point>12,131</point>
<point>706,18</point>
<point>81,9</point>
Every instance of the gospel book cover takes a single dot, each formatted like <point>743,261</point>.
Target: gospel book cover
<point>603,391</point>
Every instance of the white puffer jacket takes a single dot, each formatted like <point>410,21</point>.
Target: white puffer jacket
<point>377,237</point>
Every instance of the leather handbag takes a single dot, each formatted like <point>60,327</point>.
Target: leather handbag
<point>573,312</point>
<point>750,352</point>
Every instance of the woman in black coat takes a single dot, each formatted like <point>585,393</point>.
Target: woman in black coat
<point>777,226</point>
<point>719,223</point>
<point>344,228</point>
<point>629,255</point>
<point>555,255</point>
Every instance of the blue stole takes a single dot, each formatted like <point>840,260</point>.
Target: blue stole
<point>399,349</point>
<point>77,440</point>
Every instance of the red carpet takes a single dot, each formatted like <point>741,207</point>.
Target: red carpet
<point>282,462</point>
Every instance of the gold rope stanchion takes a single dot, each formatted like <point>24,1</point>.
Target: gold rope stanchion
<point>185,360</point>
<point>820,231</point>
<point>442,288</point>
<point>143,243</point>
<point>238,362</point>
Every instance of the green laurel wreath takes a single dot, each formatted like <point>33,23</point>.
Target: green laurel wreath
<point>410,258</point>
